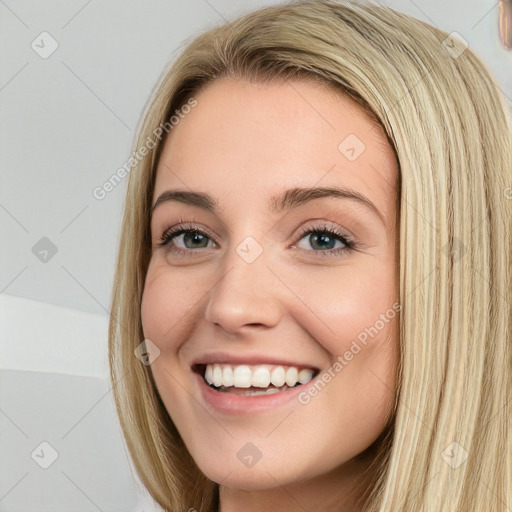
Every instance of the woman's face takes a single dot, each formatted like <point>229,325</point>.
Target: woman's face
<point>291,273</point>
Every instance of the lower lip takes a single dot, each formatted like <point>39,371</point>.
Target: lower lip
<point>229,403</point>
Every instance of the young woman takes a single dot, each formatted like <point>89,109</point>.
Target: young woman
<point>311,307</point>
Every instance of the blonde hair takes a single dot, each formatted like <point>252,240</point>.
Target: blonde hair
<point>450,128</point>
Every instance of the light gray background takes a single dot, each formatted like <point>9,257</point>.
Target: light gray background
<point>67,124</point>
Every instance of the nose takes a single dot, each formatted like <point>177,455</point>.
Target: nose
<point>248,294</point>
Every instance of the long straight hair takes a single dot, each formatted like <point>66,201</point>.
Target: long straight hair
<point>449,445</point>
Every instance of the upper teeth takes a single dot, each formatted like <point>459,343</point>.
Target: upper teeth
<point>261,376</point>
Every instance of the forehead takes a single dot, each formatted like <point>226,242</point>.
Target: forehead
<point>244,142</point>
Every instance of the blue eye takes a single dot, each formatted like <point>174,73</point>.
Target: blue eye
<point>325,239</point>
<point>187,238</point>
<point>189,235</point>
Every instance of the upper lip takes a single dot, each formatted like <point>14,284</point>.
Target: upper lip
<point>247,359</point>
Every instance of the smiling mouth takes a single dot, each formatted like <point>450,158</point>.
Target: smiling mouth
<point>253,380</point>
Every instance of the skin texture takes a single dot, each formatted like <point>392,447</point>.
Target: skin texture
<point>242,144</point>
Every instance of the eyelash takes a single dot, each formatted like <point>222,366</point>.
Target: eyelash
<point>323,229</point>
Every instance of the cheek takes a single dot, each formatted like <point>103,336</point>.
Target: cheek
<point>348,304</point>
<point>354,316</point>
<point>168,297</point>
<point>166,313</point>
<point>359,332</point>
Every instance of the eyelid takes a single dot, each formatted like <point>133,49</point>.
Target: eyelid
<point>175,229</point>
<point>349,244</point>
<point>322,225</point>
<point>316,225</point>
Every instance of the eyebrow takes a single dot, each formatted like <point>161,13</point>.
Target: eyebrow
<point>290,199</point>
